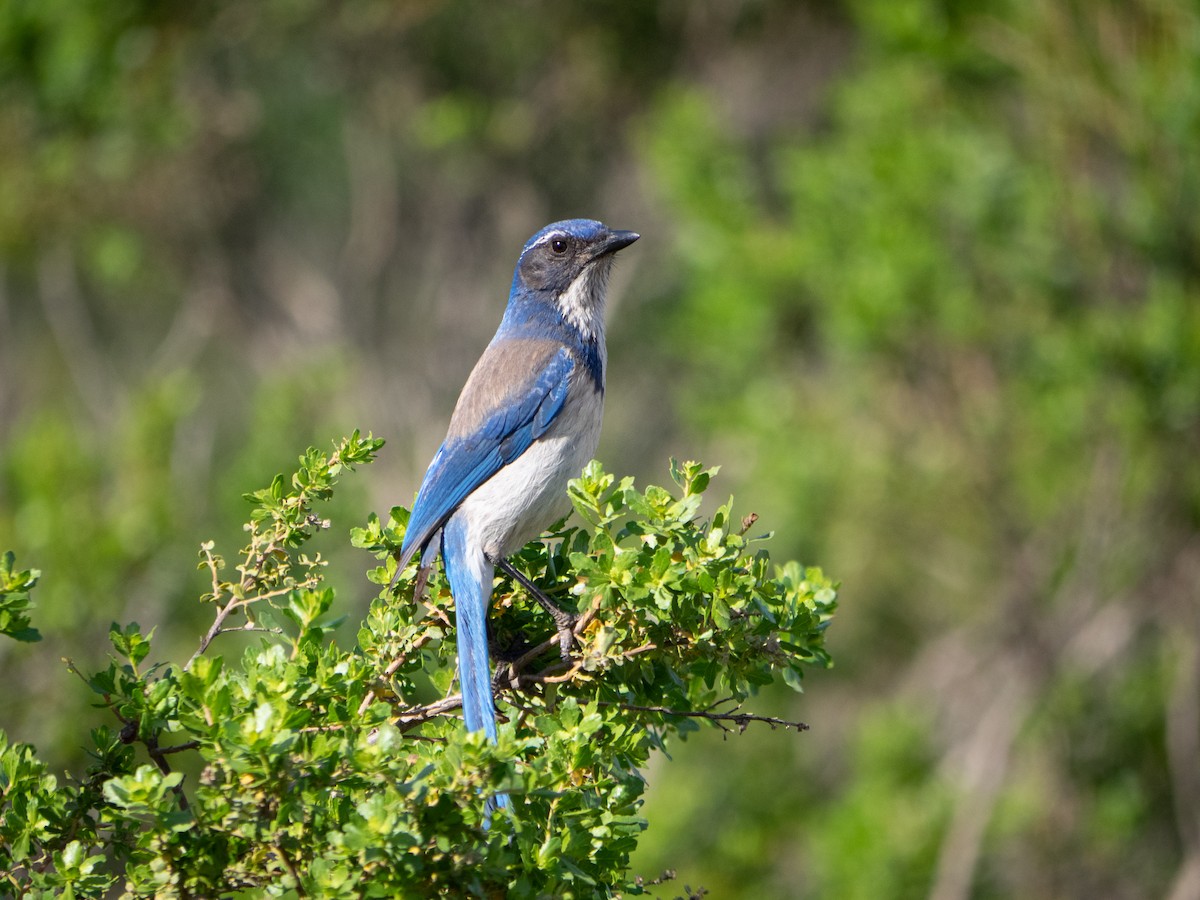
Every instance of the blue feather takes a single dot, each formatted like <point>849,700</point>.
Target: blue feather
<point>526,319</point>
<point>526,422</point>
<point>471,586</point>
<point>463,464</point>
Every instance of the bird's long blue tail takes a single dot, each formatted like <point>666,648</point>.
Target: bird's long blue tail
<point>470,576</point>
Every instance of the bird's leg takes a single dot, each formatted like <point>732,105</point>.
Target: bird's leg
<point>564,619</point>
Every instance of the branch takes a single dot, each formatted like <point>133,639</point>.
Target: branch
<point>391,670</point>
<point>287,864</point>
<point>561,671</point>
<point>178,748</point>
<point>131,732</point>
<point>739,719</point>
<point>556,673</point>
<point>159,755</point>
<point>418,715</point>
<point>515,677</point>
<point>223,613</point>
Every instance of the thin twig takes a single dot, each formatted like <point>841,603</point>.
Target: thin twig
<point>391,670</point>
<point>287,864</point>
<point>224,612</point>
<point>159,756</point>
<point>420,714</point>
<point>249,628</point>
<point>549,674</point>
<point>645,648</point>
<point>740,719</point>
<point>178,748</point>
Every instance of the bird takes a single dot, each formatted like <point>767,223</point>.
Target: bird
<point>526,422</point>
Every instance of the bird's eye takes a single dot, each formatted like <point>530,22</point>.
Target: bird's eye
<point>558,245</point>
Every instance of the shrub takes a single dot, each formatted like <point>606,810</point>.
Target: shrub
<point>323,771</point>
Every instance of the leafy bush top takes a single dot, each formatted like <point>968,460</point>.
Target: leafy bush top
<point>324,771</point>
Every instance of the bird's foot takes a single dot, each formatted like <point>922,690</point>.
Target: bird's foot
<point>565,621</point>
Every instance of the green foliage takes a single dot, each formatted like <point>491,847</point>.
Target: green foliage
<point>961,321</point>
<point>333,772</point>
<point>14,599</point>
<point>922,273</point>
<point>853,852</point>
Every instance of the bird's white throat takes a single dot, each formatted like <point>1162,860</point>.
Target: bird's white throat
<point>582,303</point>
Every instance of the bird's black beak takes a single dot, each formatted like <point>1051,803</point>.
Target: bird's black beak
<point>615,241</point>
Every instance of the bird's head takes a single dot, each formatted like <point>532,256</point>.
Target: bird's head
<point>568,263</point>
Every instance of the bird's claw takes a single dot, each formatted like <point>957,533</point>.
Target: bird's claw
<point>566,631</point>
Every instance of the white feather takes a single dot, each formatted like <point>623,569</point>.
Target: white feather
<point>529,494</point>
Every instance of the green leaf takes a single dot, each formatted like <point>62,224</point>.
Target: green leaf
<point>15,602</point>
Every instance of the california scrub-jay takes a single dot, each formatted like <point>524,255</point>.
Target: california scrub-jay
<point>527,421</point>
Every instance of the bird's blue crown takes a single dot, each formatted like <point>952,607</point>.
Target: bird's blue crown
<point>583,230</point>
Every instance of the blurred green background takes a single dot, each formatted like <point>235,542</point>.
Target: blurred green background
<point>923,276</point>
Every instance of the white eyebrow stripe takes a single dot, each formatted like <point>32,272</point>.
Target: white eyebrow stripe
<point>553,236</point>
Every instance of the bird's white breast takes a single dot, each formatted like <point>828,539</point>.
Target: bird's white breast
<point>529,494</point>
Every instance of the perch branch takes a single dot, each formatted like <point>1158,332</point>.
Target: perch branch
<point>740,720</point>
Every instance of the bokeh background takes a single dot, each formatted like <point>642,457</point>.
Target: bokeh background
<point>922,276</point>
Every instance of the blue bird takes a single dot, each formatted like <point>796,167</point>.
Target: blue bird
<point>526,422</point>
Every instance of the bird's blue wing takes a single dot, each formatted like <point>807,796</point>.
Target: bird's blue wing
<point>465,461</point>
